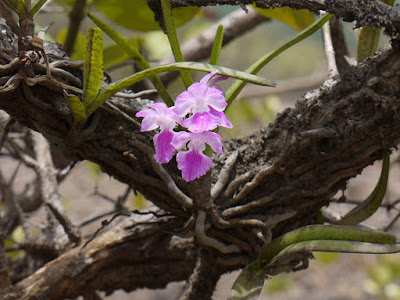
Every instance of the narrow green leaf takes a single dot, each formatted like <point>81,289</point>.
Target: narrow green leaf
<point>216,50</point>
<point>298,19</point>
<point>338,246</point>
<point>135,55</point>
<point>77,108</point>
<point>173,39</point>
<point>368,41</point>
<point>369,206</point>
<point>37,7</point>
<point>115,87</point>
<point>324,232</point>
<point>249,284</point>
<point>93,67</point>
<point>235,89</point>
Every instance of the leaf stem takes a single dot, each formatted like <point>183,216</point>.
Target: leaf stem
<point>37,7</point>
<point>114,87</point>
<point>216,50</point>
<point>235,89</point>
<point>173,39</point>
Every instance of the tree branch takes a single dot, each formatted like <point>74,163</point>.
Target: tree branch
<point>372,13</point>
<point>127,256</point>
<point>273,183</point>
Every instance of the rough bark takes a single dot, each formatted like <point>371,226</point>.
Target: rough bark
<point>127,255</point>
<point>275,180</point>
<point>365,12</point>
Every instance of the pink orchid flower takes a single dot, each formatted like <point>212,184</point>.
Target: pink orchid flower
<point>203,105</point>
<point>205,100</point>
<point>194,163</point>
<point>163,117</point>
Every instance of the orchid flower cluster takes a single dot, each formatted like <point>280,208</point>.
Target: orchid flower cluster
<point>200,109</point>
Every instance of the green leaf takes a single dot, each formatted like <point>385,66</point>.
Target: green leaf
<point>173,40</point>
<point>115,87</point>
<point>139,201</point>
<point>79,47</point>
<point>216,50</point>
<point>77,108</point>
<point>368,39</point>
<point>93,67</point>
<point>135,55</point>
<point>138,16</point>
<point>37,7</point>
<point>249,284</point>
<point>369,206</point>
<point>324,232</point>
<point>235,89</point>
<point>338,246</point>
<point>297,19</point>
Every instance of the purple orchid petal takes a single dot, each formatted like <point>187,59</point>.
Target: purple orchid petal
<point>214,140</point>
<point>159,116</point>
<point>193,164</point>
<point>201,122</point>
<point>163,147</point>
<point>180,139</point>
<point>184,103</point>
<point>215,99</point>
<point>207,78</point>
<point>149,123</point>
<point>197,89</point>
<point>146,113</point>
<point>211,81</point>
<point>198,141</point>
<point>224,121</point>
<point>161,108</point>
<point>200,96</point>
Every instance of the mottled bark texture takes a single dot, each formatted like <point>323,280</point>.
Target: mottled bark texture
<point>262,186</point>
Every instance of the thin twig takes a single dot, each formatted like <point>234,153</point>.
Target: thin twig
<point>97,217</point>
<point>104,224</point>
<point>6,131</point>
<point>49,186</point>
<point>19,153</point>
<point>387,227</point>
